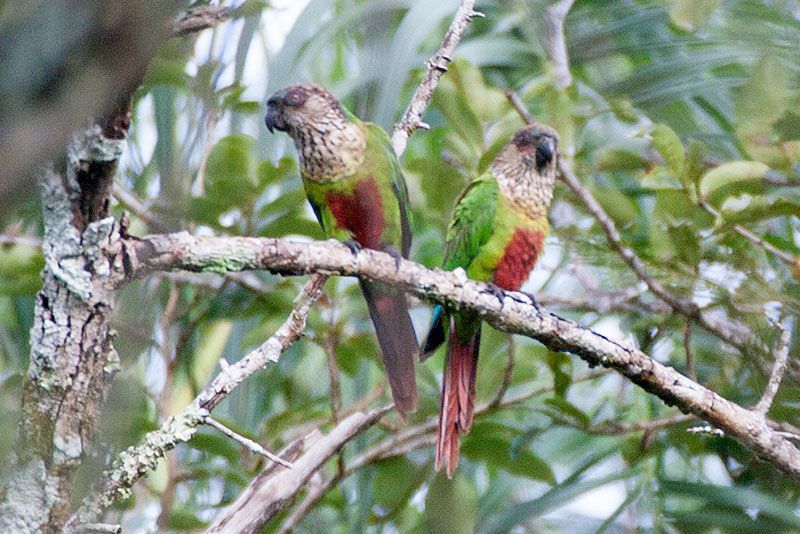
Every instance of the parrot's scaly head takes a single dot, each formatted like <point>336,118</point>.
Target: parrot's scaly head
<point>328,145</point>
<point>526,168</point>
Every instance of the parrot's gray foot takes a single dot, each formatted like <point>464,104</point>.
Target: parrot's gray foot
<point>497,291</point>
<point>353,245</point>
<point>393,252</point>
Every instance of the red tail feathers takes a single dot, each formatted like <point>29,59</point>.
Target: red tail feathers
<point>458,397</point>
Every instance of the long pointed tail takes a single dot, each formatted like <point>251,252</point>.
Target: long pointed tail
<point>458,397</point>
<point>395,331</point>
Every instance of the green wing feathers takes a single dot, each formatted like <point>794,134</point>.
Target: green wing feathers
<point>472,224</point>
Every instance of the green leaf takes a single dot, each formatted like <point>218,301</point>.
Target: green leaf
<point>746,499</point>
<point>670,147</point>
<point>691,14</point>
<point>748,209</point>
<point>450,505</point>
<point>561,366</point>
<point>216,444</point>
<point>231,162</point>
<point>396,480</point>
<point>184,519</point>
<point>763,99</point>
<point>620,160</point>
<point>693,168</point>
<point>495,450</point>
<point>729,176</point>
<point>788,126</point>
<point>560,495</point>
<point>566,408</point>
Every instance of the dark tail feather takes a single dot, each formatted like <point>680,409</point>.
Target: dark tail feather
<point>389,312</point>
<point>435,335</point>
<point>458,397</point>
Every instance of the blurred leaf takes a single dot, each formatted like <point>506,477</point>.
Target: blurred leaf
<point>745,499</point>
<point>748,209</point>
<point>729,177</point>
<point>216,444</point>
<point>691,14</point>
<point>396,480</point>
<point>619,159</point>
<point>670,147</point>
<point>494,450</point>
<point>450,505</point>
<point>184,519</point>
<point>560,495</point>
<point>560,365</point>
<point>566,408</point>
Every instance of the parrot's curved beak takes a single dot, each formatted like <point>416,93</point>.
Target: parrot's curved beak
<point>545,150</point>
<point>274,119</point>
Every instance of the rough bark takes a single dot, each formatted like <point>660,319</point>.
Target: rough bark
<point>72,356</point>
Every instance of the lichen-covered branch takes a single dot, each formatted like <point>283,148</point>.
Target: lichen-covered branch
<point>200,18</point>
<point>436,66</point>
<point>138,460</point>
<point>515,314</point>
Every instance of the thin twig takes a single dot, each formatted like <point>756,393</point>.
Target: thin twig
<point>687,347</point>
<point>551,36</point>
<point>135,205</point>
<point>247,442</point>
<point>778,368</point>
<point>436,66</point>
<point>613,429</point>
<point>507,373</point>
<point>753,238</point>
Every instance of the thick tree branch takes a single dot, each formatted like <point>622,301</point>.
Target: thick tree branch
<point>436,66</point>
<point>136,461</point>
<point>515,314</point>
<point>266,496</point>
<point>72,357</point>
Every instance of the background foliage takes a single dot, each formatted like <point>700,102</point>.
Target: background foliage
<point>683,123</point>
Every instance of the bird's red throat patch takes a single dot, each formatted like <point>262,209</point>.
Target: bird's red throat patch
<point>518,259</point>
<point>360,212</point>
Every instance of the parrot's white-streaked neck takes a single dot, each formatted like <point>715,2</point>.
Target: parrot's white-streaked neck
<point>521,183</point>
<point>329,150</point>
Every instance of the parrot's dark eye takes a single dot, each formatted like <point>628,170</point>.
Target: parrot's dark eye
<point>296,98</point>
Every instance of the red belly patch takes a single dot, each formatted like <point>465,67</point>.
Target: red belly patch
<point>360,212</point>
<point>518,259</point>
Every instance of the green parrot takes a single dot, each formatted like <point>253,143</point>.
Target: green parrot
<point>496,235</point>
<point>354,184</point>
